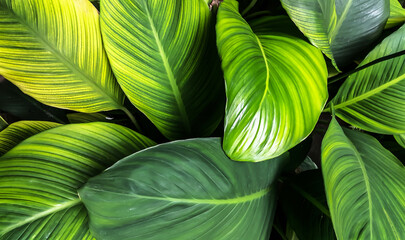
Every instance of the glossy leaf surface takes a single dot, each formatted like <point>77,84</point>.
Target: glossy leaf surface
<point>364,185</point>
<point>340,28</point>
<point>373,99</point>
<point>272,80</point>
<point>19,131</point>
<point>52,50</point>
<point>163,55</point>
<point>183,190</point>
<point>40,178</point>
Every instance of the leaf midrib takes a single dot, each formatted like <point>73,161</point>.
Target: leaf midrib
<point>340,21</point>
<point>56,53</point>
<point>40,215</point>
<point>229,201</point>
<point>267,70</point>
<point>170,74</point>
<point>368,94</point>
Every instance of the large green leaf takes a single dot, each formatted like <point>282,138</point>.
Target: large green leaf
<point>19,131</point>
<point>397,14</point>
<point>40,178</point>
<point>340,28</point>
<point>183,190</point>
<point>303,201</point>
<point>52,50</point>
<point>373,99</point>
<point>275,87</point>
<point>364,185</point>
<point>164,57</point>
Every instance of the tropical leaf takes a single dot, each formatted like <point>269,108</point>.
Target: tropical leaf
<point>364,185</point>
<point>341,29</point>
<point>373,99</point>
<point>22,106</point>
<point>400,139</point>
<point>303,201</point>
<point>183,190</point>
<point>40,178</point>
<point>52,50</point>
<point>397,14</point>
<point>19,131</point>
<point>271,81</point>
<point>3,123</point>
<point>163,55</point>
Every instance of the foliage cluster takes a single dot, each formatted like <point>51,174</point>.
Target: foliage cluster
<point>198,119</point>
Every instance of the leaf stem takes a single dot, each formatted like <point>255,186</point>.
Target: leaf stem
<point>311,199</point>
<point>248,8</point>
<point>132,118</point>
<point>385,58</point>
<point>278,230</point>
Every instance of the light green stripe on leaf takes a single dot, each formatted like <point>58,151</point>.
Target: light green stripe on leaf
<point>52,50</point>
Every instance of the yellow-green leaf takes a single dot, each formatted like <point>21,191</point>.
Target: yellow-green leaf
<point>373,99</point>
<point>41,175</point>
<point>397,14</point>
<point>275,85</point>
<point>52,50</point>
<point>164,57</point>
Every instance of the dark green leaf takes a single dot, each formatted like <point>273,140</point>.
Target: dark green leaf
<point>340,28</point>
<point>183,190</point>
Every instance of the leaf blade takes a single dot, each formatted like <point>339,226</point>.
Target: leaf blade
<point>64,62</point>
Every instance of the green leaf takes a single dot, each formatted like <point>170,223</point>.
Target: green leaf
<point>86,117</point>
<point>40,178</point>
<point>400,139</point>
<point>164,57</point>
<point>373,99</point>
<point>183,190</point>
<point>22,106</point>
<point>397,14</point>
<point>52,50</point>
<point>3,124</point>
<point>364,185</point>
<point>271,81</point>
<point>341,29</point>
<point>303,201</point>
<point>19,131</point>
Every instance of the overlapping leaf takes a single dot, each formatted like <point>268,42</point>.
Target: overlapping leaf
<point>40,178</point>
<point>52,50</point>
<point>19,131</point>
<point>373,99</point>
<point>163,55</point>
<point>341,29</point>
<point>303,201</point>
<point>275,87</point>
<point>400,139</point>
<point>364,186</point>
<point>183,190</point>
<point>397,14</point>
